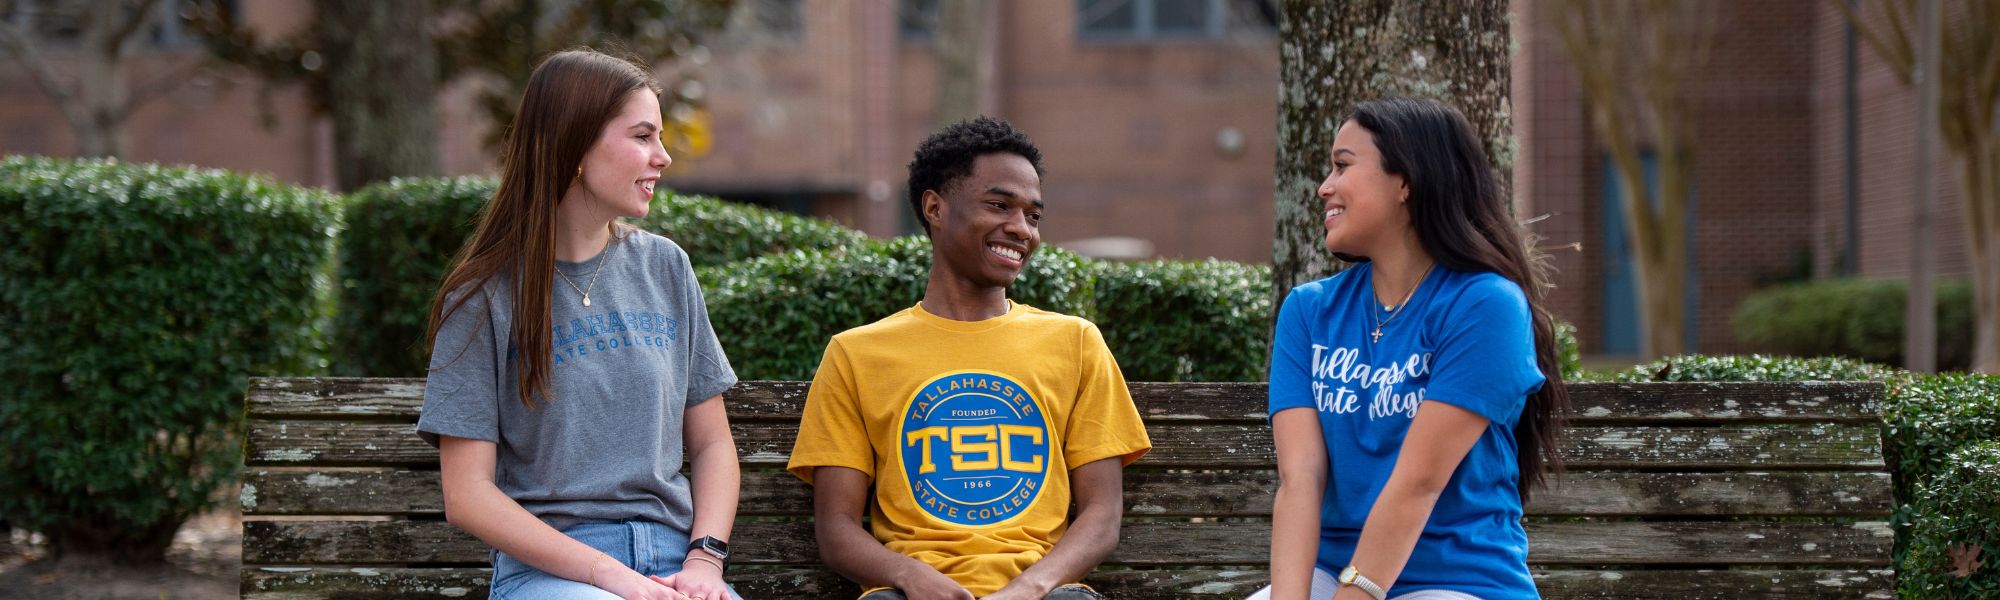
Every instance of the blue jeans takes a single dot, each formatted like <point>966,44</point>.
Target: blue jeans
<point>645,546</point>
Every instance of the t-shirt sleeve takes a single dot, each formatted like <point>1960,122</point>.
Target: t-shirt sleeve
<point>462,387</point>
<point>1291,363</point>
<point>831,432</point>
<point>1485,357</point>
<point>709,372</point>
<point>1104,422</point>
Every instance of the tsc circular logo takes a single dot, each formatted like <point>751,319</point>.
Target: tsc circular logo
<point>975,448</point>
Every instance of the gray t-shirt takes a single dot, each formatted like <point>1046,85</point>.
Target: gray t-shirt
<point>623,371</point>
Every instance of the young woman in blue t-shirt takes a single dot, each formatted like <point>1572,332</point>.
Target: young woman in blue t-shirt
<point>1415,397</point>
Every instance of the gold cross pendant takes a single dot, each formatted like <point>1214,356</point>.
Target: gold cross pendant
<point>1377,335</point>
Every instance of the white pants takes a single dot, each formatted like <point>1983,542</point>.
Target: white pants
<point>1324,585</point>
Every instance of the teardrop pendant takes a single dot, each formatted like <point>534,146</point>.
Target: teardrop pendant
<point>586,299</point>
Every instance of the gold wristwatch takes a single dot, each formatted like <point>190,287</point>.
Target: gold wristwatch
<point>1353,577</point>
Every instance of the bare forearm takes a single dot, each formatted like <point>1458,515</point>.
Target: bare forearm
<point>1090,539</point>
<point>1394,525</point>
<point>1295,531</point>
<point>488,514</point>
<point>714,472</point>
<point>850,551</point>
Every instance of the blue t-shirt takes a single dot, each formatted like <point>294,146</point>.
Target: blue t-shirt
<point>1464,339</point>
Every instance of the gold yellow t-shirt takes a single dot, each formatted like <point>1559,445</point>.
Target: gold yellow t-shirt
<point>969,429</point>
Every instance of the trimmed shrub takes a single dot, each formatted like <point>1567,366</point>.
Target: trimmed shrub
<point>402,235</point>
<point>1856,318</point>
<point>1567,353</point>
<point>137,300</point>
<point>716,232</point>
<point>1929,417</point>
<point>775,314</point>
<point>1186,320</point>
<point>1755,367</point>
<point>1961,516</point>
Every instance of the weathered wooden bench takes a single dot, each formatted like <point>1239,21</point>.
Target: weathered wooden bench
<point>1675,490</point>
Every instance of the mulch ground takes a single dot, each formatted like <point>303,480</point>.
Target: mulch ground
<point>202,564</point>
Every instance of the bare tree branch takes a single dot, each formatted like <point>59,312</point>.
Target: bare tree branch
<point>22,48</point>
<point>160,86</point>
<point>133,21</point>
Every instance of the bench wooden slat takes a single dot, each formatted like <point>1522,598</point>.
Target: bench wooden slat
<point>1142,543</point>
<point>1151,493</point>
<point>1738,402</point>
<point>1178,445</point>
<point>792,583</point>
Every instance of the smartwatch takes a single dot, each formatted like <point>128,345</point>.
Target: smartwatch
<point>718,548</point>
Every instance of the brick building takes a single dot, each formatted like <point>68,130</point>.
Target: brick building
<point>1157,119</point>
<point>1772,186</point>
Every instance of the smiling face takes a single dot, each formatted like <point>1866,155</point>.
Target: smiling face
<point>1363,204</point>
<point>986,225</point>
<point>620,169</point>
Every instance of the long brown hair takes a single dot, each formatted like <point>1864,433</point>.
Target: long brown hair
<point>1457,209</point>
<point>570,97</point>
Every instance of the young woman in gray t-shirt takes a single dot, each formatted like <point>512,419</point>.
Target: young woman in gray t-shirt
<point>573,366</point>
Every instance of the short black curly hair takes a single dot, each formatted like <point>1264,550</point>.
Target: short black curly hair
<point>947,156</point>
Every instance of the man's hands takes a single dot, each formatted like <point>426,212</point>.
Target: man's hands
<point>926,583</point>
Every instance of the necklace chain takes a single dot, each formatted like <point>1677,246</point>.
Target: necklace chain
<point>1377,335</point>
<point>585,290</point>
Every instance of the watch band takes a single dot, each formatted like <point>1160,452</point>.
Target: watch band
<point>715,547</point>
<point>1352,576</point>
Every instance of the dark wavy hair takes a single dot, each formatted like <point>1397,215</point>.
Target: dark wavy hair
<point>1458,210</point>
<point>946,156</point>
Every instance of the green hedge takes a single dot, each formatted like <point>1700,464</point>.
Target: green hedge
<point>1964,499</point>
<point>1186,320</point>
<point>775,314</point>
<point>136,302</point>
<point>401,237</point>
<point>716,232</point>
<point>1754,367</point>
<point>1929,417</point>
<point>1856,318</point>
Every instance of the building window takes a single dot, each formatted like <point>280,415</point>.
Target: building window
<point>917,20</point>
<point>1174,19</point>
<point>59,26</point>
<point>781,18</point>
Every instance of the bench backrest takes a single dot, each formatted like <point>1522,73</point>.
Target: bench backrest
<point>1675,490</point>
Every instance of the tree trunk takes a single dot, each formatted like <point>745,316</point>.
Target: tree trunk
<point>965,69</point>
<point>1333,55</point>
<point>382,88</point>
<point>1979,173</point>
<point>101,84</point>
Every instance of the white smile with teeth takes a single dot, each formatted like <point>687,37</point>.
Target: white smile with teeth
<point>1335,212</point>
<point>1008,253</point>
<point>646,185</point>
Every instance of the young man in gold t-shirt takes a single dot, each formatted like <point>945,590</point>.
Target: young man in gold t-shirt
<point>975,419</point>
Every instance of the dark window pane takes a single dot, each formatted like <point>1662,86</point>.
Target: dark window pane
<point>1253,15</point>
<point>917,19</point>
<point>1107,17</point>
<point>783,18</point>
<point>1180,16</point>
